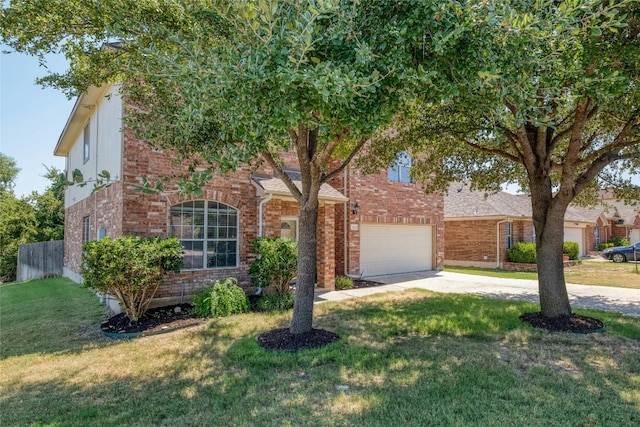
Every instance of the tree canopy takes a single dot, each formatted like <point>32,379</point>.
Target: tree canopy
<point>228,80</point>
<point>35,218</point>
<point>544,94</point>
<point>8,172</point>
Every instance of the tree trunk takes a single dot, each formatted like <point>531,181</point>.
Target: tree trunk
<point>306,143</point>
<point>554,301</point>
<point>548,220</point>
<point>302,319</point>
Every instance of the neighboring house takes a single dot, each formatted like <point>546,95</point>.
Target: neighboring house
<point>479,228</point>
<point>618,219</point>
<point>367,224</point>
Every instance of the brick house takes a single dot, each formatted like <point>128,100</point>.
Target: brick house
<point>617,219</point>
<point>479,228</point>
<point>368,224</point>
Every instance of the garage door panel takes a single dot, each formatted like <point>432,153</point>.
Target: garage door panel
<point>572,234</point>
<point>390,249</point>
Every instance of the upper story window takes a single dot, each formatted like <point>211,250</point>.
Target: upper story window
<point>399,171</point>
<point>86,141</point>
<point>86,229</point>
<point>208,231</point>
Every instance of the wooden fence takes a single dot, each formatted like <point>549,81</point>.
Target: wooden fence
<point>40,260</point>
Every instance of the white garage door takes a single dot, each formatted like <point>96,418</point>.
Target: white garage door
<point>390,249</point>
<point>572,234</point>
<point>634,236</point>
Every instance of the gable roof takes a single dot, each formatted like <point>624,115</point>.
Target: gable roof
<point>267,184</point>
<point>462,203</point>
<point>615,209</point>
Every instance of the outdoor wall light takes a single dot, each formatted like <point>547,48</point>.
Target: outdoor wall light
<point>356,208</point>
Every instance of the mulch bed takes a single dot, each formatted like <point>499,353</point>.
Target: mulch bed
<point>361,283</point>
<point>154,320</point>
<point>574,323</point>
<point>284,340</point>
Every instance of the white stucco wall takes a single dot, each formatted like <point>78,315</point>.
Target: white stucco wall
<point>105,147</point>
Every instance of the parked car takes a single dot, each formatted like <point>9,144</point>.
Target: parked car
<point>623,253</point>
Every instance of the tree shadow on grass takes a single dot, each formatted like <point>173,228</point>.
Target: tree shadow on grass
<point>399,361</point>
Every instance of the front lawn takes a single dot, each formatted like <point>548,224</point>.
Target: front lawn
<point>411,358</point>
<point>621,275</point>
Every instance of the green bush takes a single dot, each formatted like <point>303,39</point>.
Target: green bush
<point>227,298</point>
<point>620,241</point>
<point>522,252</point>
<point>275,302</point>
<point>603,246</point>
<point>344,282</point>
<point>130,269</point>
<point>572,249</point>
<point>202,302</point>
<point>276,263</point>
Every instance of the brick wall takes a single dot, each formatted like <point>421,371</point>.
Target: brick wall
<point>473,242</point>
<point>148,214</point>
<point>104,209</point>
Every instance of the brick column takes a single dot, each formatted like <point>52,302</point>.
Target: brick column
<point>326,247</point>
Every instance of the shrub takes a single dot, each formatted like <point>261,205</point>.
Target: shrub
<point>130,269</point>
<point>227,298</point>
<point>619,241</point>
<point>344,282</point>
<point>572,249</point>
<point>202,302</point>
<point>522,252</point>
<point>276,302</point>
<point>276,263</point>
<point>603,246</point>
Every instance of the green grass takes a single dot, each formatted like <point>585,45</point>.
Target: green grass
<point>55,308</point>
<point>621,275</point>
<point>410,358</point>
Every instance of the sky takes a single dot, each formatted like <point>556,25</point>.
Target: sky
<point>31,118</point>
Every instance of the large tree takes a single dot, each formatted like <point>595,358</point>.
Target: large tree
<point>48,207</point>
<point>226,81</point>
<point>8,172</point>
<point>545,94</point>
<point>36,218</point>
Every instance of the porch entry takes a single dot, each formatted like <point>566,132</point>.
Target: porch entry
<point>289,228</point>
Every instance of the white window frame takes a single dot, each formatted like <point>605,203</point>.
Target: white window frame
<point>206,240</point>
<point>86,228</point>
<point>290,218</point>
<point>86,143</point>
<point>401,168</point>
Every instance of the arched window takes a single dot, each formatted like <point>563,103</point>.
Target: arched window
<point>399,171</point>
<point>208,231</point>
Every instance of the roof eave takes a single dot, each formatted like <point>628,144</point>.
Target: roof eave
<point>81,112</point>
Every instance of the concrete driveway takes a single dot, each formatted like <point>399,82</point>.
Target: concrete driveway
<point>625,301</point>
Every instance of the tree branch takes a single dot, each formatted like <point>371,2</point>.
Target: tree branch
<point>322,158</point>
<point>346,161</point>
<point>295,192</point>
<point>492,151</point>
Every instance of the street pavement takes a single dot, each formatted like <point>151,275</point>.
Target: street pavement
<point>622,300</point>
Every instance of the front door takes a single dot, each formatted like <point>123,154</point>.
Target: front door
<point>289,228</point>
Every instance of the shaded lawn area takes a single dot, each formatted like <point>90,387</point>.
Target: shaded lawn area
<point>414,358</point>
<point>622,275</point>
